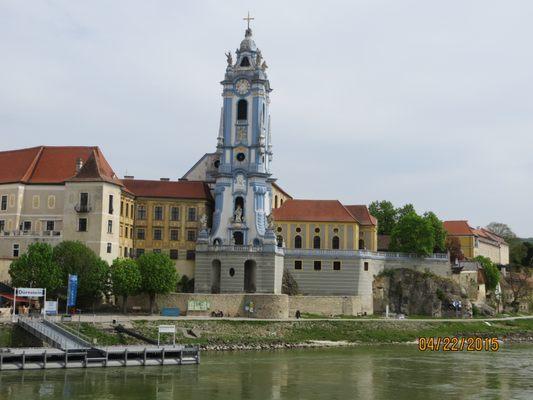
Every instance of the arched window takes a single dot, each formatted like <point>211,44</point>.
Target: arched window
<point>316,242</point>
<point>276,201</point>
<point>242,110</point>
<point>297,242</point>
<point>245,62</point>
<point>361,244</point>
<point>280,241</point>
<point>263,115</point>
<point>335,242</point>
<point>238,237</point>
<point>281,202</point>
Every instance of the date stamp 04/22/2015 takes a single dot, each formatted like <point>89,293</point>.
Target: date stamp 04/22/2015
<point>454,343</point>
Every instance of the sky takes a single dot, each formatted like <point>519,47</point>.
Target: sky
<point>424,102</point>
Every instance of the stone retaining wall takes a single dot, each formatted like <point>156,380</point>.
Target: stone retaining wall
<point>331,305</point>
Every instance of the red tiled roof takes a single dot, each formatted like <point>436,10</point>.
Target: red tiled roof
<point>49,164</point>
<point>361,214</point>
<point>275,185</point>
<point>168,189</point>
<point>458,228</point>
<point>485,233</point>
<point>313,210</point>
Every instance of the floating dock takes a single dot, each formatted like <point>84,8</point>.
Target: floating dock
<point>71,351</point>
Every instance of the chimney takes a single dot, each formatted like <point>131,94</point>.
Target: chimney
<point>164,179</point>
<point>129,177</point>
<point>79,164</point>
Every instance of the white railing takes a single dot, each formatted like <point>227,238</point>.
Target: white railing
<point>18,233</point>
<point>362,253</point>
<point>236,247</point>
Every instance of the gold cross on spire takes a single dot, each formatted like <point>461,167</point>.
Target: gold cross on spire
<point>248,19</point>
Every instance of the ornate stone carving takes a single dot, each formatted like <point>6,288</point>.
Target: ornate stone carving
<point>229,58</point>
<point>270,221</point>
<point>237,215</point>
<point>258,58</point>
<point>242,134</point>
<point>264,66</point>
<point>203,221</point>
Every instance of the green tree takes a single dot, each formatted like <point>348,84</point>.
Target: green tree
<point>518,252</point>
<point>158,275</point>
<point>491,272</point>
<point>501,230</point>
<point>93,272</point>
<point>36,268</point>
<point>453,246</point>
<point>125,279</point>
<point>406,209</point>
<point>413,234</point>
<point>439,233</point>
<point>385,213</point>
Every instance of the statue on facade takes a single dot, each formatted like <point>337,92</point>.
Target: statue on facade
<point>237,215</point>
<point>203,221</point>
<point>258,58</point>
<point>270,221</point>
<point>264,66</point>
<point>229,58</point>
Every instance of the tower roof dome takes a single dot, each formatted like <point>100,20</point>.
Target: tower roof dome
<point>248,43</point>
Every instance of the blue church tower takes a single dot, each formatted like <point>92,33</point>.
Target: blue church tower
<point>239,252</point>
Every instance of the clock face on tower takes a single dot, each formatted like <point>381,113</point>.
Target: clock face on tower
<point>242,86</point>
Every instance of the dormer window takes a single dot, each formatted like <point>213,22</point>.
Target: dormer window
<point>245,62</point>
<point>242,110</point>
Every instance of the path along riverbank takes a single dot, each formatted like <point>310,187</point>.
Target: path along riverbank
<point>247,334</point>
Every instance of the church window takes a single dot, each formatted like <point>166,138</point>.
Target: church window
<point>316,242</point>
<point>280,240</point>
<point>238,238</point>
<point>216,164</point>
<point>231,271</point>
<point>245,62</point>
<point>297,264</point>
<point>281,203</point>
<point>317,230</point>
<point>276,201</point>
<point>336,230</point>
<point>257,242</point>
<point>217,242</point>
<point>361,244</point>
<point>298,230</point>
<point>335,242</point>
<point>241,157</point>
<point>366,266</point>
<point>242,110</point>
<point>317,265</point>
<point>279,229</point>
<point>336,265</point>
<point>297,242</point>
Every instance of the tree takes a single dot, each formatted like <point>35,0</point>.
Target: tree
<point>413,234</point>
<point>439,233</point>
<point>36,268</point>
<point>491,272</point>
<point>288,284</point>
<point>519,283</point>
<point>406,209</point>
<point>93,272</point>
<point>385,213</point>
<point>453,246</point>
<point>125,279</point>
<point>501,230</point>
<point>186,284</point>
<point>518,252</point>
<point>158,275</point>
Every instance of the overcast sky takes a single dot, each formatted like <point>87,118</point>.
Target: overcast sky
<point>427,102</point>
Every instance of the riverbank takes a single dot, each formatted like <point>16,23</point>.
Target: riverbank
<point>249,334</point>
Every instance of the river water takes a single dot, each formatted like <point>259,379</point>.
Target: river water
<point>363,372</point>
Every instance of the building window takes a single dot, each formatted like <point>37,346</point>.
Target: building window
<point>82,225</point>
<point>2,225</point>
<point>279,240</point>
<point>174,234</point>
<point>317,230</point>
<point>361,244</point>
<point>141,212</point>
<point>51,201</point>
<point>298,264</point>
<point>174,254</point>
<point>317,265</point>
<point>26,226</point>
<point>316,242</point>
<point>336,265</point>
<point>125,252</point>
<point>297,242</point>
<point>158,213</point>
<point>175,213</point>
<point>245,62</point>
<point>3,206</point>
<point>139,252</point>
<point>335,243</point>
<point>242,110</point>
<point>231,271</point>
<point>110,204</point>
<point>131,231</point>
<point>366,265</point>
<point>16,249</point>
<point>110,226</point>
<point>121,208</point>
<point>141,234</point>
<point>276,201</point>
<point>158,251</point>
<point>191,216</point>
<point>131,210</point>
<point>158,234</point>
<point>191,255</point>
<point>191,235</point>
<point>109,247</point>
<point>50,225</point>
<point>36,201</point>
<point>298,229</point>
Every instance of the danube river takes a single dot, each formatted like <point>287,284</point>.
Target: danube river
<point>363,372</point>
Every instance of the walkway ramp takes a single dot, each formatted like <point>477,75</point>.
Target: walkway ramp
<point>53,334</point>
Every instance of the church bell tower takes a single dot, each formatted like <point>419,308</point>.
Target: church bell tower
<point>239,252</point>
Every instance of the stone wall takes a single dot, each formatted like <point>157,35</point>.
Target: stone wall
<point>331,305</point>
<point>4,269</point>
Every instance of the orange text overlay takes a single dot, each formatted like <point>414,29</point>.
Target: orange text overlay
<point>447,343</point>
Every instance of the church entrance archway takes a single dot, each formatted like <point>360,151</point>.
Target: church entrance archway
<point>250,269</point>
<point>215,276</point>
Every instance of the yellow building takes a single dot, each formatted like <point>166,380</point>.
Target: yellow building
<point>279,196</point>
<point>167,218</point>
<point>478,242</point>
<point>325,224</point>
<point>127,211</point>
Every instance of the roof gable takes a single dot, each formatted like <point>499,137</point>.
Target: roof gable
<point>313,210</point>
<point>168,189</point>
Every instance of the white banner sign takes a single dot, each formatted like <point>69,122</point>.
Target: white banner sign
<point>30,292</point>
<point>167,329</point>
<point>50,307</point>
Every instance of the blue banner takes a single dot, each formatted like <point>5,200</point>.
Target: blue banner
<point>72,290</point>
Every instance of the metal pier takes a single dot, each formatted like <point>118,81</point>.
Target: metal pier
<point>53,334</point>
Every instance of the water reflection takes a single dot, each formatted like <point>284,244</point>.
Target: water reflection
<point>369,372</point>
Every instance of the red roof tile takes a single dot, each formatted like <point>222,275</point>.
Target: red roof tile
<point>168,189</point>
<point>458,228</point>
<point>48,164</point>
<point>313,210</point>
<point>361,214</point>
